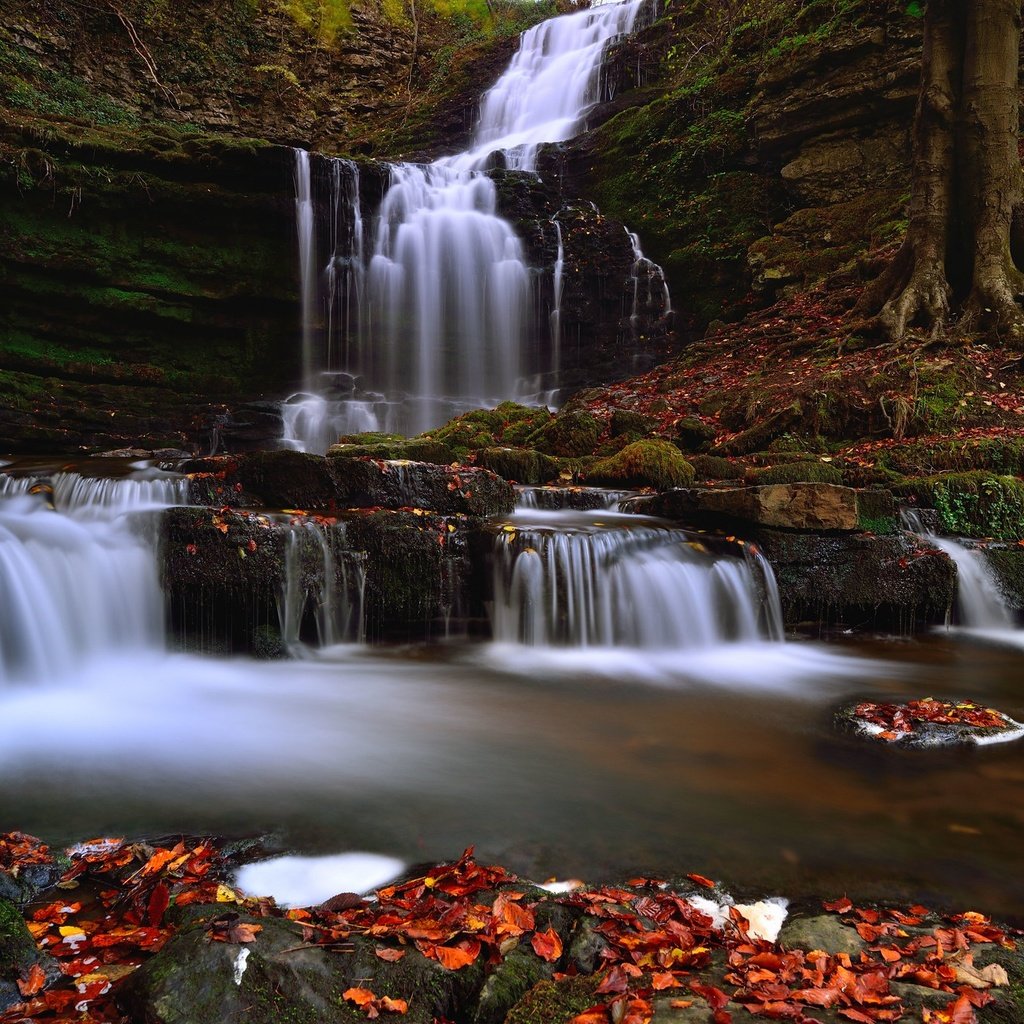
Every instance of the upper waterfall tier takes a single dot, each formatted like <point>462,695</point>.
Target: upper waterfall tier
<point>554,79</point>
<point>432,303</point>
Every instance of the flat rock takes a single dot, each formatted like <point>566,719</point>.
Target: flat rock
<point>825,932</point>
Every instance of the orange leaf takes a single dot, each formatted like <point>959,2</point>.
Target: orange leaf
<point>33,981</point>
<point>662,980</point>
<point>359,996</point>
<point>701,880</point>
<point>394,1005</point>
<point>390,955</point>
<point>547,945</point>
<point>455,958</point>
<point>594,1015</point>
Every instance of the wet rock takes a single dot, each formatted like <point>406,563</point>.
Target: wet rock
<point>194,981</point>
<point>858,579</point>
<point>912,730</point>
<point>18,953</point>
<point>315,483</point>
<point>824,932</point>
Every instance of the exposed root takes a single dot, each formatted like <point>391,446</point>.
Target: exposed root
<point>924,302</point>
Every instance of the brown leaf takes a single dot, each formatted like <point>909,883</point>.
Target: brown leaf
<point>390,955</point>
<point>243,932</point>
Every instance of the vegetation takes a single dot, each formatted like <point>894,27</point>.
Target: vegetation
<point>643,464</point>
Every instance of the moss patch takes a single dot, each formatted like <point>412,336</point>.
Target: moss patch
<point>974,504</point>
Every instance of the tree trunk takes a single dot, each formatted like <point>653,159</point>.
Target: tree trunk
<point>967,186</point>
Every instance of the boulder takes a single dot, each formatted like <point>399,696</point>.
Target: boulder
<point>803,506</point>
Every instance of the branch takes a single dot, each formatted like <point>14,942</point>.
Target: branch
<point>142,51</point>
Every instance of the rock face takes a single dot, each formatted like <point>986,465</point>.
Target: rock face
<point>18,954</point>
<point>804,506</point>
<point>242,581</point>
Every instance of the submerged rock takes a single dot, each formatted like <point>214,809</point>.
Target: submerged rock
<point>928,723</point>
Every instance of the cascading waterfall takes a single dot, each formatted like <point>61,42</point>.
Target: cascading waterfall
<point>432,309</point>
<point>980,605</point>
<point>78,575</point>
<point>610,580</point>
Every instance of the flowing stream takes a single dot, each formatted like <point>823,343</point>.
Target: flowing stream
<point>634,713</point>
<point>431,308</point>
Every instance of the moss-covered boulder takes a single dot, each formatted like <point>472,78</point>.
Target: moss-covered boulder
<point>277,479</point>
<point>650,463</point>
<point>573,433</point>
<point>18,954</point>
<point>975,504</point>
<point>626,421</point>
<point>520,465</point>
<point>693,435</point>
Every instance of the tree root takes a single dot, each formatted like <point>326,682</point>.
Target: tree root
<point>912,292</point>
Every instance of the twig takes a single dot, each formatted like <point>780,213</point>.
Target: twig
<point>142,51</point>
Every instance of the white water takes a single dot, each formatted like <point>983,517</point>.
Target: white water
<point>434,306</point>
<point>307,881</point>
<point>980,605</point>
<point>610,580</point>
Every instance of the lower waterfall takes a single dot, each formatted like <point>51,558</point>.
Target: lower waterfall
<point>606,579</point>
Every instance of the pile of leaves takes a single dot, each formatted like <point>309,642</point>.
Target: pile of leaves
<point>656,942</point>
<point>900,720</point>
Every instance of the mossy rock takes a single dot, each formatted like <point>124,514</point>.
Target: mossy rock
<point>976,504</point>
<point>693,435</point>
<point>714,467</point>
<point>877,512</point>
<point>625,421</point>
<point>796,443</point>
<point>571,434</point>
<point>18,952</point>
<point>520,465</point>
<point>652,463</point>
<point>802,472</point>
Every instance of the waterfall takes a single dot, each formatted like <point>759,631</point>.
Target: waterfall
<point>319,584</point>
<point>432,308</point>
<point>979,602</point>
<point>78,575</point>
<point>620,581</point>
<point>647,273</point>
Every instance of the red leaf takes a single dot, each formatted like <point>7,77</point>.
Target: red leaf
<point>547,945</point>
<point>840,906</point>
<point>714,997</point>
<point>159,900</point>
<point>593,1015</point>
<point>857,1015</point>
<point>701,880</point>
<point>616,981</point>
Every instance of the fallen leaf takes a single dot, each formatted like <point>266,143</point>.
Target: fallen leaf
<point>389,955</point>
<point>547,945</point>
<point>33,981</point>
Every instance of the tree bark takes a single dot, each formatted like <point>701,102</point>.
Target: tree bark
<point>967,186</point>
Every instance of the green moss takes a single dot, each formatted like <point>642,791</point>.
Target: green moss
<point>651,463</point>
<point>555,1002</point>
<point>1000,455</point>
<point>798,473</point>
<point>520,465</point>
<point>976,504</point>
<point>713,467</point>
